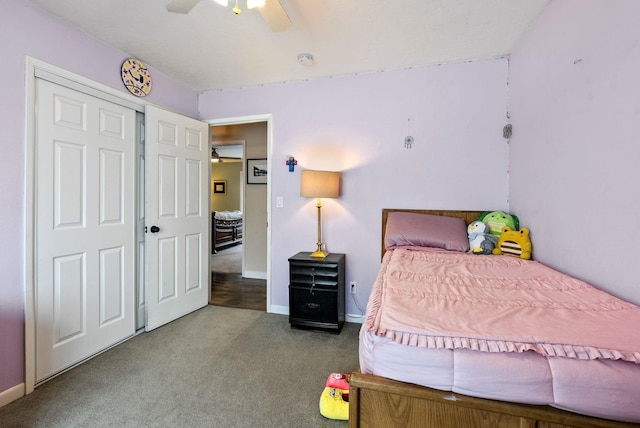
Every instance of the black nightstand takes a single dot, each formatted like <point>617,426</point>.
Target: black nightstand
<point>316,292</point>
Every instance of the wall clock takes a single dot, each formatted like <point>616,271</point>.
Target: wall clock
<point>136,77</point>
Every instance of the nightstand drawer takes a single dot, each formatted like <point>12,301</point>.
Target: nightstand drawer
<point>317,276</point>
<point>319,305</point>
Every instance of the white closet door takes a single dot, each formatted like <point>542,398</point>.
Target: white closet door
<point>177,161</point>
<point>85,226</point>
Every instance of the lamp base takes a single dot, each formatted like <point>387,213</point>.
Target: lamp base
<point>321,254</point>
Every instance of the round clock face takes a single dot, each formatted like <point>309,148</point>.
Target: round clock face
<point>136,77</point>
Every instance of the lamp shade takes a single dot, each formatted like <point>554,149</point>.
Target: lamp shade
<point>320,184</point>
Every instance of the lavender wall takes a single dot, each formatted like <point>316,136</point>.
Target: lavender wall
<point>27,31</point>
<point>575,158</point>
<point>357,125</point>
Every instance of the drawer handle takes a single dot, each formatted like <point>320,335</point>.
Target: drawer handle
<point>313,280</point>
<point>313,305</point>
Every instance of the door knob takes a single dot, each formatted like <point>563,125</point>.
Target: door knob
<point>155,229</point>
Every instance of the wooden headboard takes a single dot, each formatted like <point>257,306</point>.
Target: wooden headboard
<point>467,216</point>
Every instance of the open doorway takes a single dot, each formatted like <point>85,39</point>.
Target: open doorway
<point>239,217</point>
<point>227,198</point>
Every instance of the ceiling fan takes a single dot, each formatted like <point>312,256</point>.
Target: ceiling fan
<point>271,10</point>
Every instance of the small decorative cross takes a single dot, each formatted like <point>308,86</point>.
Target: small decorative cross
<point>291,162</point>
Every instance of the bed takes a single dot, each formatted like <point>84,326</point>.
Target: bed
<point>226,229</point>
<point>428,369</point>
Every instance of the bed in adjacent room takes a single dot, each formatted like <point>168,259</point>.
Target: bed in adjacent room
<point>454,339</point>
<point>226,229</point>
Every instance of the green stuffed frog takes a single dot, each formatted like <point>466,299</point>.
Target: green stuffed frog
<point>496,220</point>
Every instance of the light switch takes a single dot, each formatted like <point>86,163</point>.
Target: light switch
<point>279,202</point>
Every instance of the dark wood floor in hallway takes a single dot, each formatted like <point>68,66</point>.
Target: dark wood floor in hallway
<point>234,291</point>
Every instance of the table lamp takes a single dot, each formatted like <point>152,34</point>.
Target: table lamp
<point>320,184</point>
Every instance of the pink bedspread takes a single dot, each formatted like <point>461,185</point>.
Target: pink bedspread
<point>450,300</point>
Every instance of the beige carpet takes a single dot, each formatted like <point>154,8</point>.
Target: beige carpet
<point>217,367</point>
<point>228,260</point>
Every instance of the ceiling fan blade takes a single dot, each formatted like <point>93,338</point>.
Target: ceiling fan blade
<point>275,15</point>
<point>181,6</point>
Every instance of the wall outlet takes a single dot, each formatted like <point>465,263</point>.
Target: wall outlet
<point>352,287</point>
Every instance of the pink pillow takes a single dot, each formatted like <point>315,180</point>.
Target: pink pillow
<point>426,230</point>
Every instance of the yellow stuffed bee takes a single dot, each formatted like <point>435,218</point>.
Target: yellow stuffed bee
<point>514,243</point>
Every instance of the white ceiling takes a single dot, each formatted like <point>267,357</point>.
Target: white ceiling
<point>211,48</point>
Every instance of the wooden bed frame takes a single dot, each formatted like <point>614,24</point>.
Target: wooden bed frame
<point>225,233</point>
<point>379,402</point>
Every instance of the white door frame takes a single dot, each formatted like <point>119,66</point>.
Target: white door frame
<point>36,67</point>
<point>240,120</point>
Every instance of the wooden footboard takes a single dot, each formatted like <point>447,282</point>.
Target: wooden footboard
<point>379,402</point>
<point>225,233</point>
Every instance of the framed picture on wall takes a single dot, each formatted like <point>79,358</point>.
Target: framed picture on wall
<point>219,187</point>
<point>257,171</point>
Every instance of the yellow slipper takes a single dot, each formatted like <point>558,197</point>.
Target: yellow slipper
<point>333,405</point>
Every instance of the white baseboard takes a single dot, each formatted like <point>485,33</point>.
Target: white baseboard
<point>254,274</point>
<point>356,319</point>
<point>280,310</point>
<point>11,394</point>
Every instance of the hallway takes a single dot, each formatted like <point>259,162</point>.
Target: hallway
<point>229,288</point>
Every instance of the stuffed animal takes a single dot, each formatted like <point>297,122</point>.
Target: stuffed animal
<point>514,243</point>
<point>496,220</point>
<point>334,401</point>
<point>480,241</point>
